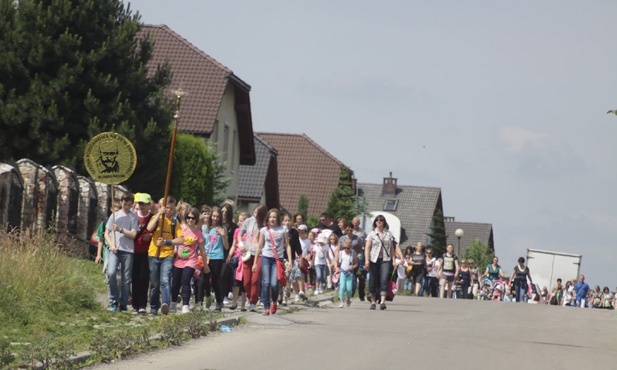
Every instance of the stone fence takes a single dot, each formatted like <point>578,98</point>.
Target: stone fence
<point>34,198</point>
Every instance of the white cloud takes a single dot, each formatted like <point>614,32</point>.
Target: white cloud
<point>537,154</point>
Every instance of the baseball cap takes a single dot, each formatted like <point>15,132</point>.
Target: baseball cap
<point>143,198</point>
<point>303,228</point>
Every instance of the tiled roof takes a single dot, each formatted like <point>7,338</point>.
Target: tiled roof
<point>252,179</point>
<point>415,208</point>
<point>205,79</point>
<point>196,72</point>
<point>304,168</point>
<point>471,231</point>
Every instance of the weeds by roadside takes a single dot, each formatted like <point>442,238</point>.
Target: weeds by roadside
<point>49,310</point>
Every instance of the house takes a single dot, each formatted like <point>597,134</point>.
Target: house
<point>304,167</point>
<point>259,184</point>
<point>411,207</point>
<point>471,231</point>
<point>217,107</point>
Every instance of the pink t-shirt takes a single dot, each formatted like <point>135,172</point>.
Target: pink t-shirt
<point>187,253</point>
<point>238,254</point>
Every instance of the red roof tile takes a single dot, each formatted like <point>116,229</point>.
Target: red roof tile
<point>195,72</point>
<point>304,167</point>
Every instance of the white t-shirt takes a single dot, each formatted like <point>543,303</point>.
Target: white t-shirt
<point>345,260</point>
<point>320,254</point>
<point>433,262</point>
<point>305,244</point>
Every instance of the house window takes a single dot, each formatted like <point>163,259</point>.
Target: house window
<point>233,152</point>
<point>226,142</point>
<point>390,205</point>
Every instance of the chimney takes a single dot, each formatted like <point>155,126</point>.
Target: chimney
<point>448,219</point>
<point>389,185</point>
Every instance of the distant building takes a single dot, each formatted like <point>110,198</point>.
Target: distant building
<point>259,184</point>
<point>218,107</point>
<point>482,232</point>
<point>304,167</point>
<point>414,206</point>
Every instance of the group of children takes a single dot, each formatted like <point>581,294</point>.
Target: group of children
<point>156,254</point>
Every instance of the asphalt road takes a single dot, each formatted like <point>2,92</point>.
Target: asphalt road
<point>418,333</point>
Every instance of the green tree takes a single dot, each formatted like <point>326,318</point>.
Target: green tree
<point>342,203</point>
<point>71,69</point>
<point>193,171</point>
<point>481,254</point>
<point>303,204</point>
<point>438,237</point>
<point>221,181</point>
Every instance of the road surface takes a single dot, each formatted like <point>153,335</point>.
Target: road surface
<point>413,333</point>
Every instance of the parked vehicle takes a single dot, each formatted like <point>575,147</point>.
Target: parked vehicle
<point>546,267</point>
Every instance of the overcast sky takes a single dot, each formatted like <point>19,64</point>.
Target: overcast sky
<point>500,104</point>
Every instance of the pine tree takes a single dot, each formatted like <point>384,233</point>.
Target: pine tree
<point>438,237</point>
<point>71,69</point>
<point>342,203</point>
<point>480,253</point>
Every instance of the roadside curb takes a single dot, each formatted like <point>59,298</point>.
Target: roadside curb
<point>320,301</point>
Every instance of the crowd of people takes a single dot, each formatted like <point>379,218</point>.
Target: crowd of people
<point>170,253</point>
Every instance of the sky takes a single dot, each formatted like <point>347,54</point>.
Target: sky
<point>500,104</point>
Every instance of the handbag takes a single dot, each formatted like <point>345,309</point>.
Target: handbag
<point>280,266</point>
<point>303,264</point>
<point>391,287</point>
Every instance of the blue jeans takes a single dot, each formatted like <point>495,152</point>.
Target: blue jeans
<point>320,274</point>
<point>269,281</point>
<point>160,277</point>
<point>521,290</point>
<point>346,285</point>
<point>124,260</point>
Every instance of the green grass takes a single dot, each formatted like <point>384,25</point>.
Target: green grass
<point>49,307</point>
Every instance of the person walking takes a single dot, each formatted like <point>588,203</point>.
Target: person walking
<point>185,261</point>
<point>378,254</point>
<point>249,241</point>
<point>465,279</point>
<point>345,262</point>
<point>120,233</point>
<point>418,262</point>
<point>216,245</point>
<point>448,271</point>
<point>273,246</point>
<point>141,270</point>
<point>166,234</point>
<point>519,277</point>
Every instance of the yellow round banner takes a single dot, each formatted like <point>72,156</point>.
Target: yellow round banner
<point>110,158</point>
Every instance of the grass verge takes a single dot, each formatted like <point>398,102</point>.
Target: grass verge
<point>48,310</point>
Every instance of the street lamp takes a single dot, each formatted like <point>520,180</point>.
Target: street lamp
<point>459,234</point>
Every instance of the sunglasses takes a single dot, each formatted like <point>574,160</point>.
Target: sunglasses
<point>380,219</point>
<point>191,218</point>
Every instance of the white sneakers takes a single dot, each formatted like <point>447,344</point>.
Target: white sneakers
<point>186,309</point>
<point>252,307</point>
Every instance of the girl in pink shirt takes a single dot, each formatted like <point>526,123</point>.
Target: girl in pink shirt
<point>185,259</point>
